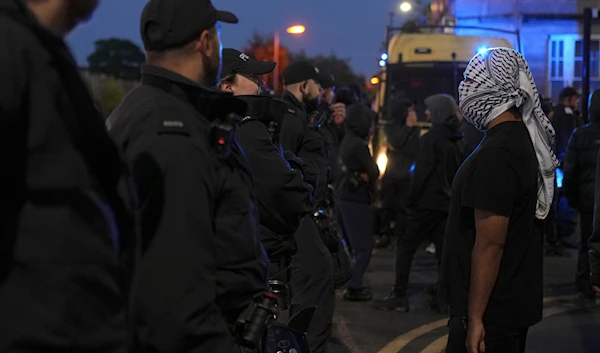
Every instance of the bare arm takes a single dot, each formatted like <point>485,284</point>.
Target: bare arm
<point>491,231</point>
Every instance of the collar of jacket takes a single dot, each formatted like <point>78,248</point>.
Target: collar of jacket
<point>211,104</point>
<point>290,98</point>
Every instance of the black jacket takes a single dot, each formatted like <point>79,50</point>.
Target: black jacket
<point>564,122</point>
<point>440,156</point>
<point>297,137</point>
<point>283,197</point>
<point>356,158</point>
<point>405,143</point>
<point>202,262</point>
<point>580,161</point>
<point>594,242</point>
<point>63,225</point>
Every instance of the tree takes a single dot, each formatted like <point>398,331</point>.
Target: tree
<point>261,47</point>
<point>117,57</point>
<point>338,67</point>
<point>111,94</point>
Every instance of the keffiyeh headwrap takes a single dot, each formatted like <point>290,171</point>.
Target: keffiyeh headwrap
<point>497,80</point>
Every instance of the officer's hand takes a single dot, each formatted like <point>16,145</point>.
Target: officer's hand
<point>339,113</point>
<point>364,177</point>
<point>596,289</point>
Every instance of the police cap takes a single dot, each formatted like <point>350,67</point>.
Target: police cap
<point>300,71</point>
<point>236,62</point>
<point>172,23</point>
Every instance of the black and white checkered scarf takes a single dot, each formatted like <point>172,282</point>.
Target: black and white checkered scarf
<point>497,80</point>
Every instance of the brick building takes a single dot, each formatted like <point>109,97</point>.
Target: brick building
<point>550,33</point>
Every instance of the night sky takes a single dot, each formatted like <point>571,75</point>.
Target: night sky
<point>349,28</point>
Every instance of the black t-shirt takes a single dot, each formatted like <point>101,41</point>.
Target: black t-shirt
<point>499,177</point>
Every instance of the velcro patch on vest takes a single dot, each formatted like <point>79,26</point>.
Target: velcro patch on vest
<point>173,127</point>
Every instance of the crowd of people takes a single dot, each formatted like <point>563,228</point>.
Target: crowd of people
<point>170,225</point>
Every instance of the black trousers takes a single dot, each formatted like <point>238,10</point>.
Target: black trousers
<point>394,194</point>
<point>497,339</point>
<point>582,278</point>
<point>357,221</point>
<point>422,224</point>
<point>312,283</point>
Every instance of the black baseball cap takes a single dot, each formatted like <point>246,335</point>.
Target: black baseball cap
<point>171,23</point>
<point>326,80</point>
<point>300,71</point>
<point>236,62</point>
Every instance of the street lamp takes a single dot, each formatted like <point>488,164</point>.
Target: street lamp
<point>405,6</point>
<point>295,29</point>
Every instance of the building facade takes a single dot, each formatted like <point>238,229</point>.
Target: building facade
<point>550,35</point>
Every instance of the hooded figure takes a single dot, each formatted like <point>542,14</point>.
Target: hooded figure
<point>354,195</point>
<point>578,186</point>
<point>402,148</point>
<point>440,155</point>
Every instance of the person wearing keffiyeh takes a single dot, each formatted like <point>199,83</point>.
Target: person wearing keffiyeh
<point>492,259</point>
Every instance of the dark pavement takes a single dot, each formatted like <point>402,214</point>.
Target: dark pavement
<point>361,329</point>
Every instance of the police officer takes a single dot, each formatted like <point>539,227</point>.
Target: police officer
<point>62,222</point>
<point>283,196</point>
<point>201,264</point>
<point>312,277</point>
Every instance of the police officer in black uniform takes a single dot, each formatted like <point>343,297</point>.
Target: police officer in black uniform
<point>63,225</point>
<point>202,266</point>
<point>312,277</point>
<point>284,198</point>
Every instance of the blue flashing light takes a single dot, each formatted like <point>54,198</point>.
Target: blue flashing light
<point>412,168</point>
<point>382,63</point>
<point>481,49</point>
<point>559,177</point>
<point>384,56</point>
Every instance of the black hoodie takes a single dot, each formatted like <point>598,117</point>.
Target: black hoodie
<point>440,155</point>
<point>283,197</point>
<point>355,156</point>
<point>580,161</point>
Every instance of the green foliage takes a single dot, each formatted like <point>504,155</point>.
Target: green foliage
<point>338,67</point>
<point>117,57</point>
<point>111,94</point>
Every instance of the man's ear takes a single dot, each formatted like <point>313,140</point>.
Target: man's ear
<point>206,43</point>
<point>226,87</point>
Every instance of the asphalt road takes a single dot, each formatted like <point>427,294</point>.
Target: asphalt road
<point>360,329</point>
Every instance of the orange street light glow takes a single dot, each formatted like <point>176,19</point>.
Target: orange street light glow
<point>296,29</point>
<point>375,80</point>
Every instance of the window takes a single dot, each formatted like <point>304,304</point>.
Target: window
<point>557,55</point>
<point>594,59</point>
<point>565,63</point>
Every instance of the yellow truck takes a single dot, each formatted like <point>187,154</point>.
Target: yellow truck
<point>418,65</point>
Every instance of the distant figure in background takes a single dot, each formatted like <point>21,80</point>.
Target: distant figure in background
<point>578,185</point>
<point>354,195</point>
<point>402,149</point>
<point>553,245</point>
<point>440,155</point>
<point>566,119</point>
